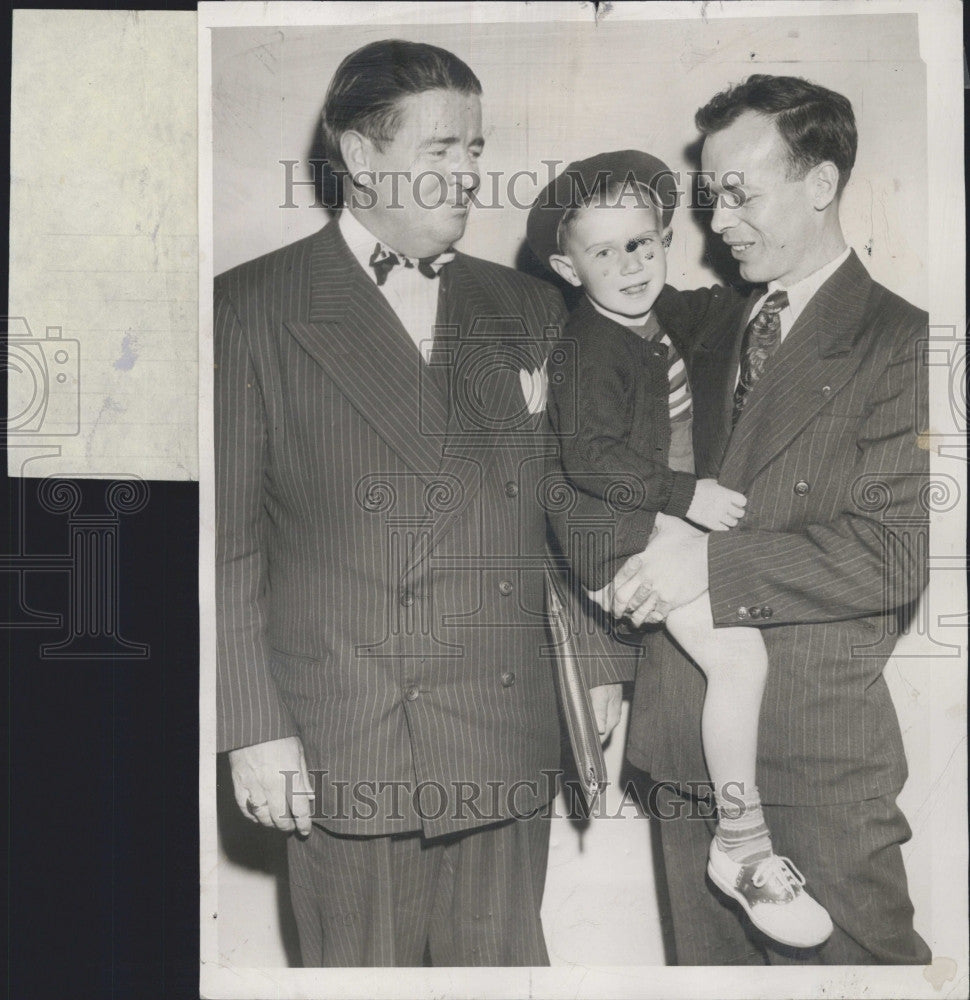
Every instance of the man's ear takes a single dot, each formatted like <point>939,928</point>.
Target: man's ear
<point>355,149</point>
<point>563,266</point>
<point>824,181</point>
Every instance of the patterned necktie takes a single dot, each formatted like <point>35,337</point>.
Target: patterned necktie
<point>383,261</point>
<point>761,339</point>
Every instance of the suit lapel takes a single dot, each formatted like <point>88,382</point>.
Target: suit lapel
<point>352,332</point>
<point>484,349</point>
<point>818,357</point>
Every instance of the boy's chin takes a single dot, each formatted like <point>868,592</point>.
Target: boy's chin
<point>635,308</point>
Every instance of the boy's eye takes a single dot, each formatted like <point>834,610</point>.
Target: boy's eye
<point>604,252</point>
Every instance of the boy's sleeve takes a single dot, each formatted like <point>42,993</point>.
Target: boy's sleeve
<point>591,409</point>
<point>688,313</point>
<point>615,491</point>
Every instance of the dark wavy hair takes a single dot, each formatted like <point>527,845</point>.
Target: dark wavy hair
<point>366,91</point>
<point>815,123</point>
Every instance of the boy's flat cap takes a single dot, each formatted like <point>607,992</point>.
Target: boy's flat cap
<point>572,188</point>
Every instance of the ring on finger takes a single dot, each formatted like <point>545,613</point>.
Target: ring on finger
<point>252,808</point>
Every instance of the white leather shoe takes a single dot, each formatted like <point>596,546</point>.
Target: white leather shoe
<point>772,894</point>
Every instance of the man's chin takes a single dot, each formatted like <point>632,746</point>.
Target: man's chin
<point>752,273</point>
<point>452,230</point>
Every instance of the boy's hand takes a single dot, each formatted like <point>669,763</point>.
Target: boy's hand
<point>716,507</point>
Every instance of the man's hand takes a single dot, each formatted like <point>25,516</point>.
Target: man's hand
<point>259,783</point>
<point>607,701</point>
<point>671,571</point>
<point>715,506</point>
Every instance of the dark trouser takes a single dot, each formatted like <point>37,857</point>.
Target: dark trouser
<point>472,897</point>
<point>851,859</point>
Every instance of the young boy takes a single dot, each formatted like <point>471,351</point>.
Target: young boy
<point>623,415</point>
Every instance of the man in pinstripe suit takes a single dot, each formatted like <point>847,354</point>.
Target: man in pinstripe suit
<point>831,552</point>
<point>381,545</point>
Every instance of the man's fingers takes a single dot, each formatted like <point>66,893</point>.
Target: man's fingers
<point>243,780</point>
<point>639,615</point>
<point>302,800</point>
<point>623,596</point>
<point>271,784</point>
<point>241,796</point>
<point>626,572</point>
<point>261,812</point>
<point>639,596</point>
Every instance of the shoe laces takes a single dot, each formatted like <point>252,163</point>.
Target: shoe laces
<point>782,869</point>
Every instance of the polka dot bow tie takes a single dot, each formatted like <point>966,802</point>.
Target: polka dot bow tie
<point>383,261</point>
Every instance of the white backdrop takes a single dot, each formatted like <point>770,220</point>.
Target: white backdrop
<point>566,91</point>
<point>560,92</point>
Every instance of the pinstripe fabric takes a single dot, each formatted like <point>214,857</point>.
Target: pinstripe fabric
<point>826,452</point>
<point>379,551</point>
<point>833,544</point>
<point>857,874</point>
<point>375,901</point>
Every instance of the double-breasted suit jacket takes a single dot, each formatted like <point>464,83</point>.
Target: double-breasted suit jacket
<point>380,540</point>
<point>832,549</point>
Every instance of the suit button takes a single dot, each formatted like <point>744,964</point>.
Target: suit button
<point>407,598</point>
<point>802,488</point>
<point>505,588</point>
<point>766,612</point>
<point>412,694</point>
<point>755,612</point>
<point>826,390</point>
<point>743,613</point>
<point>511,489</point>
<point>508,679</point>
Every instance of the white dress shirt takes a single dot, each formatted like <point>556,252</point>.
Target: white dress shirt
<point>412,296</point>
<point>801,292</point>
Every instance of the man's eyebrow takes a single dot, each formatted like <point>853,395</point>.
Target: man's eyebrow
<point>450,140</point>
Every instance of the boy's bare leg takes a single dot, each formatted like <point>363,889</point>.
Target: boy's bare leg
<point>736,666</point>
<point>741,860</point>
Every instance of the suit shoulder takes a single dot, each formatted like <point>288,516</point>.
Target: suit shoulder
<point>514,284</point>
<point>886,305</point>
<point>264,271</point>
